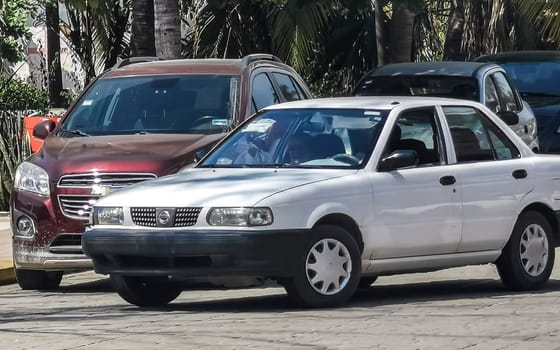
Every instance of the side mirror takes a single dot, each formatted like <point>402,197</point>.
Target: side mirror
<point>399,159</point>
<point>510,118</point>
<point>199,155</point>
<point>43,129</point>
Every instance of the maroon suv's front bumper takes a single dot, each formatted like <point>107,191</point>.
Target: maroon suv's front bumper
<point>56,242</point>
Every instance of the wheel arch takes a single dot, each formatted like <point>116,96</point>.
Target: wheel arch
<point>345,222</point>
<point>550,216</point>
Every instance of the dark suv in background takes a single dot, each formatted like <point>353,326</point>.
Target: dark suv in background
<point>137,121</point>
<point>537,77</point>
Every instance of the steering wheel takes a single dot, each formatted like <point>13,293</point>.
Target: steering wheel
<point>346,158</point>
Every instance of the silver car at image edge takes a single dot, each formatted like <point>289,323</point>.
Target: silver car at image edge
<point>487,83</point>
<point>322,196</point>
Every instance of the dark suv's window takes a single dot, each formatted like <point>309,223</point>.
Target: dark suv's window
<point>155,104</point>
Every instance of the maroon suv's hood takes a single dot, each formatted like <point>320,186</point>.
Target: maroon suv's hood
<point>153,153</point>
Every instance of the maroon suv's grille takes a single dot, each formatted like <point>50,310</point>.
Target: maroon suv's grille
<point>147,216</point>
<point>104,179</point>
<point>77,207</point>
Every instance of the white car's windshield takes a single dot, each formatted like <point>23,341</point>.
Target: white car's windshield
<point>302,138</point>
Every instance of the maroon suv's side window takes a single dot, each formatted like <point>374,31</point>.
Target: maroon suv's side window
<point>288,87</point>
<point>263,92</point>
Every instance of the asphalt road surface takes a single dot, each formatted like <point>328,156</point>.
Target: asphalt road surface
<point>462,308</point>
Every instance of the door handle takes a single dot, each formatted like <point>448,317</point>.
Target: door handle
<point>447,180</point>
<point>519,173</point>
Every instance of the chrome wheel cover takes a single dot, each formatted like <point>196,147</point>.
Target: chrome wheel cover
<point>534,249</point>
<point>328,266</point>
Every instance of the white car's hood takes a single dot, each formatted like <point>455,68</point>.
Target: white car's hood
<point>216,187</point>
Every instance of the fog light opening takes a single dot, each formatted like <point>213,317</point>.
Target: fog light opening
<point>24,226</point>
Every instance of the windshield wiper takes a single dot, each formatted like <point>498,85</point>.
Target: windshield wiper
<point>76,132</point>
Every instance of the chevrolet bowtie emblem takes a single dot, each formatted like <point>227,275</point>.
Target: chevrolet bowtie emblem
<point>101,190</point>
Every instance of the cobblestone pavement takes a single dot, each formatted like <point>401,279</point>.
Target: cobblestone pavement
<point>463,308</point>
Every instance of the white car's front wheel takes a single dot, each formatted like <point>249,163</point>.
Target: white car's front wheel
<point>145,291</point>
<point>528,257</point>
<point>329,272</point>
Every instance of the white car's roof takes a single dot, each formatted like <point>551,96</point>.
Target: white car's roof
<point>373,102</point>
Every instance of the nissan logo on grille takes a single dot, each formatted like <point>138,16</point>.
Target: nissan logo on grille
<point>165,217</point>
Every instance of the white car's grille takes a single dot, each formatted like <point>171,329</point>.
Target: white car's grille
<point>147,216</point>
<point>103,179</point>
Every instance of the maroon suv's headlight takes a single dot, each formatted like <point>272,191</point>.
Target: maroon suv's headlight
<point>32,178</point>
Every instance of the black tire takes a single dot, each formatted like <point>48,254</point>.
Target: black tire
<point>515,271</point>
<point>38,279</point>
<point>146,291</point>
<point>366,282</point>
<point>299,288</point>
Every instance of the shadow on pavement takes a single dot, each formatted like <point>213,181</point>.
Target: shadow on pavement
<point>98,286</point>
<point>374,296</point>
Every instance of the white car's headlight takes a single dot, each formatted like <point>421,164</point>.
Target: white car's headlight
<point>32,178</point>
<point>108,216</point>
<point>240,216</point>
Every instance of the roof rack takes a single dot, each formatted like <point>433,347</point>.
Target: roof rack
<point>259,56</point>
<point>125,62</point>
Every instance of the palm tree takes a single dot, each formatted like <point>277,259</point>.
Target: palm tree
<point>98,33</point>
<point>143,37</point>
<point>167,28</point>
<point>454,37</point>
<point>54,70</point>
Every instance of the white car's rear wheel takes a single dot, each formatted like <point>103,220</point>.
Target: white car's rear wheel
<point>528,257</point>
<point>329,272</point>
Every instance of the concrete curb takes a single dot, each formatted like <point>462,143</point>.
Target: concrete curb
<point>7,272</point>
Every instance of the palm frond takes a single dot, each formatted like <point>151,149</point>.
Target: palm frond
<point>298,25</point>
<point>546,13</point>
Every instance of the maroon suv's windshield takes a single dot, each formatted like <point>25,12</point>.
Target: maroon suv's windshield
<point>201,104</point>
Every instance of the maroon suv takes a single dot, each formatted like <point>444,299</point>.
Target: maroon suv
<point>137,121</point>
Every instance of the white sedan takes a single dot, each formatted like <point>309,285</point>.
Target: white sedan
<point>325,195</point>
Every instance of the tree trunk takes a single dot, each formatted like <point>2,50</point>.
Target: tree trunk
<point>401,32</point>
<point>452,50</point>
<point>379,33</point>
<point>143,37</point>
<point>168,28</point>
<point>54,70</point>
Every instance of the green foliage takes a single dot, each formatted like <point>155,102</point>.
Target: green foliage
<point>14,148</point>
<point>19,96</point>
<point>13,17</point>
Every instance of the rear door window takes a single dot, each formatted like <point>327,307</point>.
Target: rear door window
<point>476,137</point>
